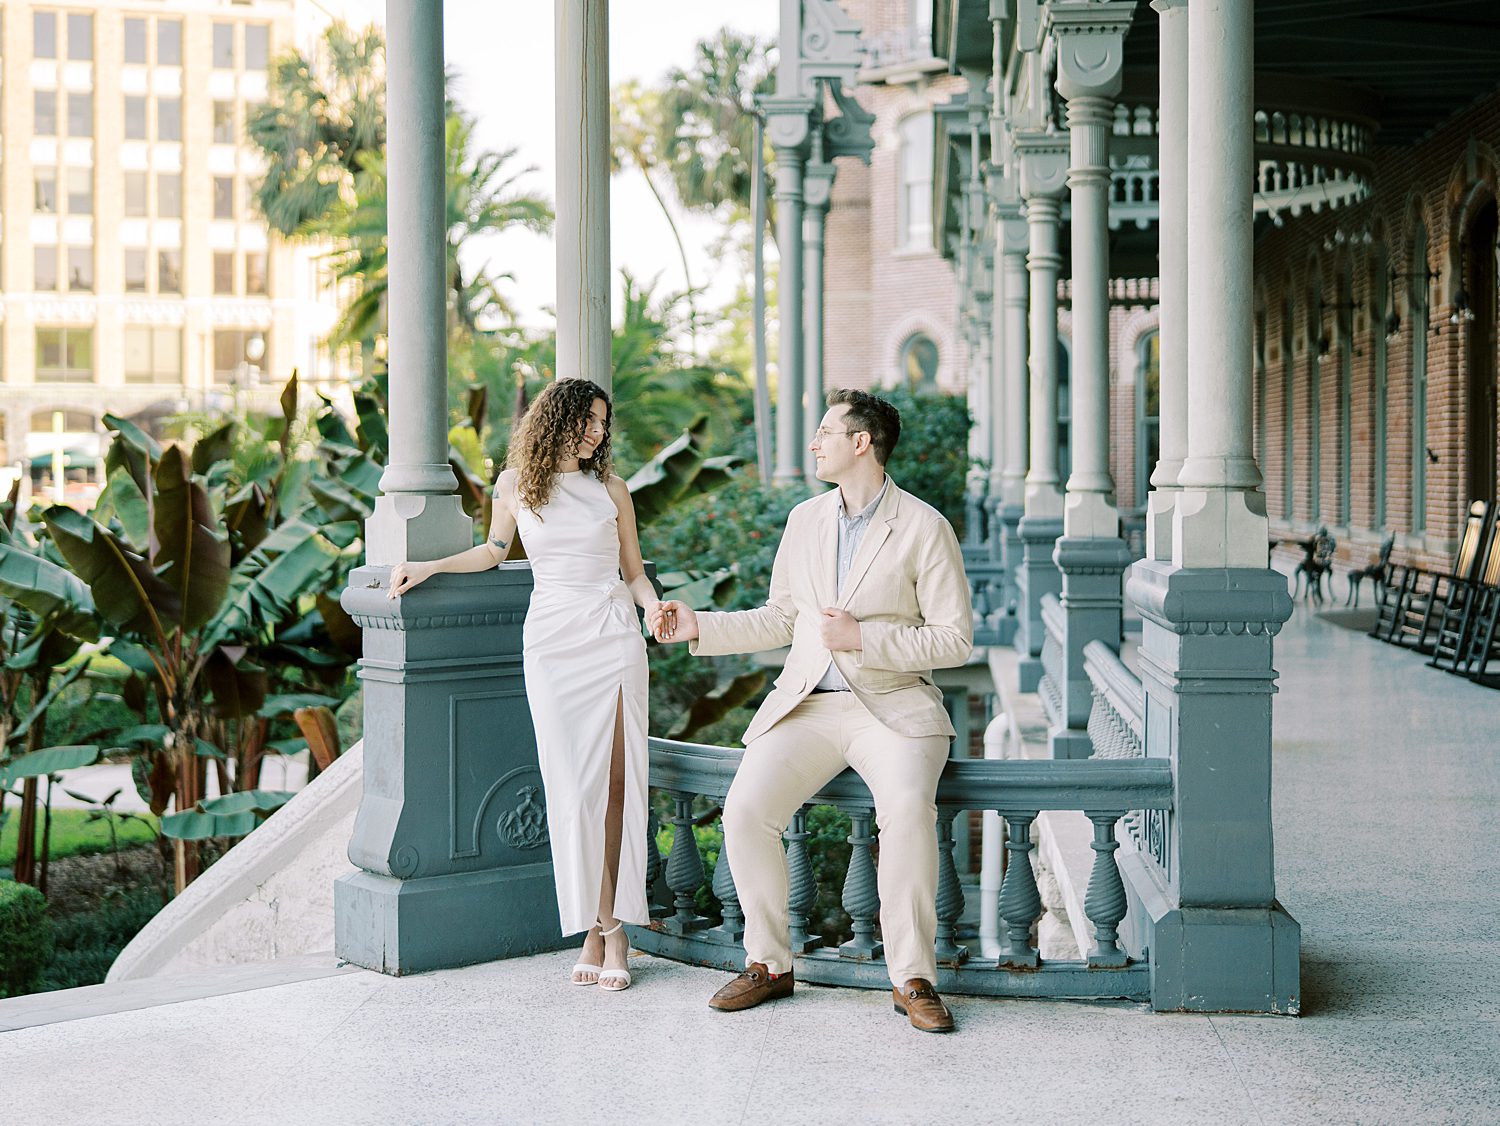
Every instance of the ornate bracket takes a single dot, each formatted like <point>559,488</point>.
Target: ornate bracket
<point>1043,157</point>
<point>818,41</point>
<point>1090,38</point>
<point>848,134</point>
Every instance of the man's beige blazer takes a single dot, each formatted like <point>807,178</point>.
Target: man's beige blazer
<point>906,586</point>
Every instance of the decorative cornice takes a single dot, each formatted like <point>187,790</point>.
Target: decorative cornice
<point>440,621</point>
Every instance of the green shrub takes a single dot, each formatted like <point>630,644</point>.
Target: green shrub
<point>25,938</point>
<point>86,943</point>
<point>932,458</point>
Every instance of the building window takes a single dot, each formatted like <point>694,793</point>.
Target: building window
<point>1417,308</point>
<point>1148,415</point>
<point>169,119</point>
<point>80,37</point>
<point>224,272</point>
<point>239,356</point>
<point>223,46</point>
<point>169,271</point>
<point>45,191</point>
<point>168,42</point>
<point>44,35</point>
<point>135,40</point>
<point>1064,413</point>
<point>1288,405</point>
<point>919,362</point>
<point>44,269</point>
<point>257,46</point>
<point>224,131</point>
<point>153,355</point>
<point>135,117</point>
<point>223,197</point>
<point>80,191</point>
<point>135,269</point>
<point>44,113</point>
<point>64,355</point>
<point>255,274</point>
<point>81,269</point>
<point>914,200</point>
<point>80,114</point>
<point>135,195</point>
<point>169,195</point>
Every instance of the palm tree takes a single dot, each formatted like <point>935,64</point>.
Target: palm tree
<point>483,197</point>
<point>706,120</point>
<point>323,115</point>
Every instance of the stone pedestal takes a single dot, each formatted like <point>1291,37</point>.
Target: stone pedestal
<point>1037,576</point>
<point>1222,942</point>
<point>451,836</point>
<point>1092,604</point>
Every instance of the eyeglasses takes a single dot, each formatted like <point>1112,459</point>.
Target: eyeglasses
<point>823,432</point>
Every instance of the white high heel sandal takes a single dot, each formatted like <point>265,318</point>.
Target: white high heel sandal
<point>622,977</point>
<point>586,968</point>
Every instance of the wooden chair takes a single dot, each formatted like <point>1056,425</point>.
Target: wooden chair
<point>1462,601</point>
<point>1483,648</point>
<point>1378,572</point>
<point>1316,565</point>
<point>1409,613</point>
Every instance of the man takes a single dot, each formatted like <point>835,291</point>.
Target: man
<point>868,589</point>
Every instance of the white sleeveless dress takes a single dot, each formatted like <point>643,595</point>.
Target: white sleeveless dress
<point>584,657</point>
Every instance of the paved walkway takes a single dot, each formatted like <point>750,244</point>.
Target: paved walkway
<point>1388,779</point>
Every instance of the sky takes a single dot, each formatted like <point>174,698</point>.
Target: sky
<point>501,52</point>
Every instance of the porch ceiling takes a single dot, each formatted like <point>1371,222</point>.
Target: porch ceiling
<point>1423,60</point>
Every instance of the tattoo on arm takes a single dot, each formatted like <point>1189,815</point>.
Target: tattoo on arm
<point>498,542</point>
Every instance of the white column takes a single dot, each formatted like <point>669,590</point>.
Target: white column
<point>1043,176</point>
<point>418,516</point>
<point>1012,306</point>
<point>1220,516</point>
<point>790,356</point>
<point>583,154</point>
<point>1090,54</point>
<point>1172,167</point>
<point>817,194</point>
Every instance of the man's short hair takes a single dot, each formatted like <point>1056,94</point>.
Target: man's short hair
<point>871,415</point>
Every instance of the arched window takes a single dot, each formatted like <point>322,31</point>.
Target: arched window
<point>1288,405</point>
<point>1417,304</point>
<point>1378,409</point>
<point>73,422</point>
<point>914,197</point>
<point>1148,414</point>
<point>919,362</point>
<point>1317,347</point>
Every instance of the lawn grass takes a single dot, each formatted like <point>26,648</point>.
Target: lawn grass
<point>72,833</point>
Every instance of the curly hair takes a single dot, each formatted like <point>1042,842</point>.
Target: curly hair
<point>550,431</point>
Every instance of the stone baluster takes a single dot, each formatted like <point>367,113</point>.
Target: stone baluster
<point>733,925</point>
<point>653,853</point>
<point>1104,903</point>
<point>684,867</point>
<point>1020,902</point>
<point>861,890</point>
<point>950,896</point>
<point>802,885</point>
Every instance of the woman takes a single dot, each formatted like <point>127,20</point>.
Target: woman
<point>584,658</point>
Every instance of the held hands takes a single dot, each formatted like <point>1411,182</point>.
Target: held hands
<point>404,576</point>
<point>672,621</point>
<point>840,630</point>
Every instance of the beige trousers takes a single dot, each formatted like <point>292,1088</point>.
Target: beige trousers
<point>794,760</point>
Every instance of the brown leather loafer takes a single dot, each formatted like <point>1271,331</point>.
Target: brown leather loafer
<point>918,1001</point>
<point>751,988</point>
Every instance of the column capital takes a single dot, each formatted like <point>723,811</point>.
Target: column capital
<point>1167,6</point>
<point>817,184</point>
<point>1090,38</point>
<point>1044,163</point>
<point>788,119</point>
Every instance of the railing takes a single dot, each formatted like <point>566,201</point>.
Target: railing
<point>1054,674</point>
<point>1019,790</point>
<point>987,593</point>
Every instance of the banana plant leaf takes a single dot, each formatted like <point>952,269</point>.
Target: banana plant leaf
<point>238,686</point>
<point>132,450</point>
<point>48,591</point>
<point>476,406</point>
<point>45,647</point>
<point>127,592</point>
<point>678,470</point>
<point>338,501</point>
<point>151,734</point>
<point>714,706</point>
<point>233,815</point>
<point>277,706</point>
<point>187,553</point>
<point>373,438</point>
<point>340,626</point>
<point>123,501</point>
<point>246,516</point>
<point>215,447</point>
<point>330,424</point>
<point>288,417</point>
<point>699,590</point>
<point>51,760</point>
<point>294,560</point>
<point>40,708</point>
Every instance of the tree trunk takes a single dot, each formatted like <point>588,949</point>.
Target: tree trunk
<point>25,867</point>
